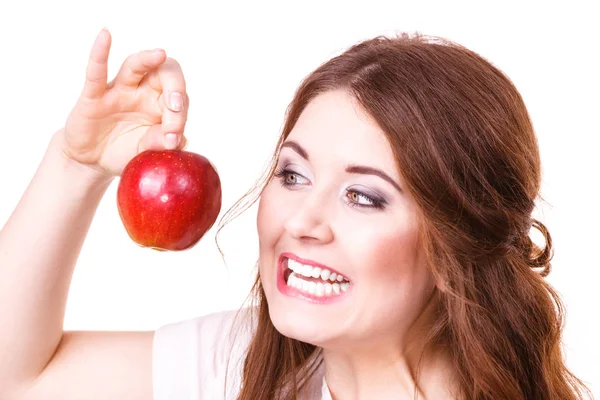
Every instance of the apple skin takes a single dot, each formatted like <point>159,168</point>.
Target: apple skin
<point>168,199</point>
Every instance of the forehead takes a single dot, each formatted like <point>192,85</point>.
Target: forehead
<point>334,127</point>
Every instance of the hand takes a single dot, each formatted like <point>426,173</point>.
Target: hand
<point>144,107</point>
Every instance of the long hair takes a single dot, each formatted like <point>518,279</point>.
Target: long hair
<point>466,149</point>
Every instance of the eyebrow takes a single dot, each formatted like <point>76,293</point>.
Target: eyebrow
<point>297,148</point>
<point>351,169</point>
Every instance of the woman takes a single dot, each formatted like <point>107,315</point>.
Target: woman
<point>395,258</point>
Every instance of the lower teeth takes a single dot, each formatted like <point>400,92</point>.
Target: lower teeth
<point>317,288</point>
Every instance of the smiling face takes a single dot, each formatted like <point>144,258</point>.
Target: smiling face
<point>336,204</point>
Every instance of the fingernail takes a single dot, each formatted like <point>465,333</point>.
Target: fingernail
<point>176,101</point>
<point>171,141</point>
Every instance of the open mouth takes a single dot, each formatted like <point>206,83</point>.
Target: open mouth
<point>313,280</point>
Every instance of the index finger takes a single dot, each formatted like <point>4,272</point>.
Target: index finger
<point>96,73</point>
<point>137,65</point>
<point>169,80</point>
<point>174,101</point>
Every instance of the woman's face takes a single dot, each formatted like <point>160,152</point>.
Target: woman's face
<point>339,260</point>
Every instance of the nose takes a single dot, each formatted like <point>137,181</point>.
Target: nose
<point>311,221</point>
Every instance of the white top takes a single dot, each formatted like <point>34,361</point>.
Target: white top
<point>190,359</point>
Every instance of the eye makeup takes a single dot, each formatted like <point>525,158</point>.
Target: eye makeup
<point>354,197</point>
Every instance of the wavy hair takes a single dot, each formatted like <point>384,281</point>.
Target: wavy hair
<point>466,149</point>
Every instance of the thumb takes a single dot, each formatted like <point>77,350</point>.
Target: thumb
<point>156,139</point>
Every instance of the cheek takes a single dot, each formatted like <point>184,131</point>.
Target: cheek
<point>398,285</point>
<point>382,241</point>
<point>387,256</point>
<point>270,217</point>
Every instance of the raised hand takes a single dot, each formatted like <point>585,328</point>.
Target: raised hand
<point>144,107</point>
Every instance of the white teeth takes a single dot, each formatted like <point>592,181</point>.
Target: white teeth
<point>314,272</point>
<point>312,287</point>
<point>306,270</point>
<point>305,285</point>
<point>318,289</point>
<point>336,288</point>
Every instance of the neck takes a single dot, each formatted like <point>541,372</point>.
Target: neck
<point>391,367</point>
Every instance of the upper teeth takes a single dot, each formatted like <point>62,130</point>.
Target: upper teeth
<point>315,272</point>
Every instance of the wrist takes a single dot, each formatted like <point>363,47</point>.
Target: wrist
<point>90,174</point>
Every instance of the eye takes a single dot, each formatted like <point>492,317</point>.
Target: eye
<point>360,199</point>
<point>289,178</point>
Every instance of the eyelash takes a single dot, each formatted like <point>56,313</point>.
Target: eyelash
<point>282,173</point>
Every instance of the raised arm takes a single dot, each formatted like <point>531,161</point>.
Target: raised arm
<point>40,243</point>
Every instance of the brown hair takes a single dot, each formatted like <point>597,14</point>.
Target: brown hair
<point>467,152</point>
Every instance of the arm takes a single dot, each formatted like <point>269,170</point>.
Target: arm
<point>39,246</point>
<point>41,241</point>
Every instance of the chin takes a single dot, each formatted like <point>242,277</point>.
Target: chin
<point>296,322</point>
<point>296,326</point>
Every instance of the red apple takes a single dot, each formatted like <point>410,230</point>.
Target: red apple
<point>168,199</point>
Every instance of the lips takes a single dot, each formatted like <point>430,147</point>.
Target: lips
<point>307,288</point>
<point>314,264</point>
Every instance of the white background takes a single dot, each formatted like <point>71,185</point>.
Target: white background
<point>243,61</point>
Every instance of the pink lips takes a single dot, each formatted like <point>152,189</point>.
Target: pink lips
<point>292,291</point>
<point>306,262</point>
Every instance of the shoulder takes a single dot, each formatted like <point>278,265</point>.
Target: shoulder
<point>195,358</point>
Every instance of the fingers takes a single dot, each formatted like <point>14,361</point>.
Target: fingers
<point>136,66</point>
<point>174,103</point>
<point>173,122</point>
<point>97,68</point>
<point>174,100</point>
<point>163,75</point>
<point>155,139</point>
